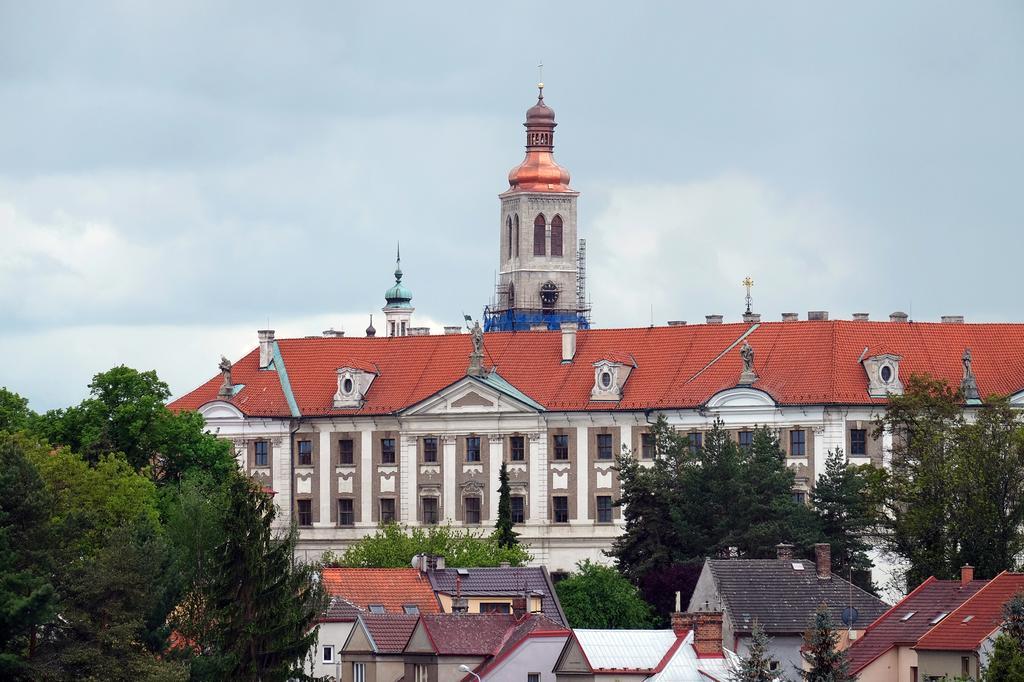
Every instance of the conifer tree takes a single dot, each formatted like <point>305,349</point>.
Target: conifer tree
<point>845,505</point>
<point>756,666</point>
<point>504,534</point>
<point>1006,664</point>
<point>825,662</point>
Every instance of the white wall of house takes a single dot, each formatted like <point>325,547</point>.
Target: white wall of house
<point>535,655</point>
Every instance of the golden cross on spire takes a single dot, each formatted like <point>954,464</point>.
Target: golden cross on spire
<point>748,283</point>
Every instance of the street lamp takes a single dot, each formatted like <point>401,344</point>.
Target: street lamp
<point>465,668</point>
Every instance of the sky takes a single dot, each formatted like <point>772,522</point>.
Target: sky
<point>175,176</point>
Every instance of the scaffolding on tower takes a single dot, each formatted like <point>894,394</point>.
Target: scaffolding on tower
<point>581,277</point>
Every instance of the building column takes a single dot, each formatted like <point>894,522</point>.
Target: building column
<point>626,441</point>
<point>448,443</point>
<point>281,477</point>
<point>538,455</point>
<point>495,451</point>
<point>324,472</point>
<point>582,475</point>
<point>407,480</point>
<point>366,474</point>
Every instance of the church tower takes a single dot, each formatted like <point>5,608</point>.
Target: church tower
<point>398,311</point>
<point>540,270</point>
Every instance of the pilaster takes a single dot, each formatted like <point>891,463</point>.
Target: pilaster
<point>407,479</point>
<point>448,445</point>
<point>495,454</point>
<point>325,473</point>
<point>538,455</point>
<point>582,475</point>
<point>366,478</point>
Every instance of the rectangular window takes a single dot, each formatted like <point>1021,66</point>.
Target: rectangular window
<point>387,450</point>
<point>494,607</point>
<point>430,510</point>
<point>358,672</point>
<point>472,509</point>
<point>517,448</point>
<point>746,440</point>
<point>328,653</point>
<point>305,508</point>
<point>532,677</point>
<point>800,497</point>
<point>305,453</point>
<point>421,674</point>
<point>797,443</point>
<point>345,451</point>
<point>346,514</point>
<point>262,459</point>
<point>696,442</point>
<point>604,509</point>
<point>561,446</point>
<point>604,446</point>
<point>518,509</point>
<point>647,445</point>
<point>965,666</point>
<point>387,510</point>
<point>430,450</point>
<point>472,448</point>
<point>560,507</point>
<point>858,441</point>
<point>411,609</point>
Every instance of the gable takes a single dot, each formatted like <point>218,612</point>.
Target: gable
<point>471,395</point>
<point>220,409</point>
<point>359,640</point>
<point>572,659</point>
<point>419,642</point>
<point>741,397</point>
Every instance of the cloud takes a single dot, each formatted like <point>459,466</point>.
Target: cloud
<point>685,248</point>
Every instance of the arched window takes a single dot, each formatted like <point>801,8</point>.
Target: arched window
<point>556,236</point>
<point>515,239</point>
<point>508,223</point>
<point>539,225</point>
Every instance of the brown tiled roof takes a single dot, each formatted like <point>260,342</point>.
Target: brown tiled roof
<point>392,588</point>
<point>783,599</point>
<point>798,363</point>
<point>502,582</point>
<point>389,632</point>
<point>480,634</point>
<point>896,626</point>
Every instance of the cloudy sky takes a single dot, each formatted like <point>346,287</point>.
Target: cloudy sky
<point>174,176</point>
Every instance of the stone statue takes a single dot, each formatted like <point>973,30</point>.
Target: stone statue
<point>478,338</point>
<point>969,385</point>
<point>968,372</point>
<point>747,376</point>
<point>476,358</point>
<point>226,388</point>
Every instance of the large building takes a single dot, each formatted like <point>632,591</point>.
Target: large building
<point>353,431</point>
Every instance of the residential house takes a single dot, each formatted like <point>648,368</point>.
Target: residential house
<point>885,652</point>
<point>782,595</point>
<point>374,650</point>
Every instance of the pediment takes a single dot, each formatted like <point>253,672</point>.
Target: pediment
<point>359,640</point>
<point>470,395</point>
<point>572,659</point>
<point>419,641</point>
<point>741,397</point>
<point>220,409</point>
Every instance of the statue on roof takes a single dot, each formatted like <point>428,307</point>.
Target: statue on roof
<point>476,358</point>
<point>747,376</point>
<point>227,388</point>
<point>968,385</point>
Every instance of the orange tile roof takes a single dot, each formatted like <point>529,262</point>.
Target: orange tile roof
<point>967,626</point>
<point>798,363</point>
<point>392,588</point>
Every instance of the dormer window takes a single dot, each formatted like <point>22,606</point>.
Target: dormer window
<point>883,370</point>
<point>353,383</point>
<point>610,376</point>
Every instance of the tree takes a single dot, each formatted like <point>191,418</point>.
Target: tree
<point>844,502</point>
<point>260,603</point>
<point>825,662</point>
<point>503,533</point>
<point>1006,664</point>
<point>15,414</point>
<point>394,546</point>
<point>597,596</point>
<point>756,666</point>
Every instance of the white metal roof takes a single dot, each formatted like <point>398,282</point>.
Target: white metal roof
<point>625,649</point>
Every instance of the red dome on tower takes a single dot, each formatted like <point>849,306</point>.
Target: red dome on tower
<point>538,172</point>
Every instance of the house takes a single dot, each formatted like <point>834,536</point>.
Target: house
<point>885,652</point>
<point>382,590</point>
<point>960,644</point>
<point>374,649</point>
<point>782,595</point>
<point>690,652</point>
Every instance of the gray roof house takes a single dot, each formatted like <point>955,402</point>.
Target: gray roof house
<point>782,595</point>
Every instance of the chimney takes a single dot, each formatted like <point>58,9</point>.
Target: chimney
<point>677,323</point>
<point>568,341</point>
<point>419,331</point>
<point>784,551</point>
<point>966,574</point>
<point>751,317</point>
<point>952,319</point>
<point>713,319</point>
<point>817,315</point>
<point>452,329</point>
<point>266,347</point>
<point>707,636</point>
<point>898,316</point>
<point>823,560</point>
<point>459,604</point>
<point>861,317</point>
<point>790,317</point>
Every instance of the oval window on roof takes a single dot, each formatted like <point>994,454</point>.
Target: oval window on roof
<point>346,385</point>
<point>606,380</point>
<point>886,373</point>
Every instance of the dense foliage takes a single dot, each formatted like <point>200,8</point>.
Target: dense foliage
<point>1006,663</point>
<point>394,546</point>
<point>596,596</point>
<point>503,533</point>
<point>823,660</point>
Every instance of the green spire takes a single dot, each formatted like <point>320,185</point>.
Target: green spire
<point>398,296</point>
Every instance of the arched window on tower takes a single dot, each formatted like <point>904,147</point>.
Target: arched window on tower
<point>539,230</point>
<point>508,224</point>
<point>556,236</point>
<point>515,238</point>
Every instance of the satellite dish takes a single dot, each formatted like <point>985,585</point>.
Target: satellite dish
<point>850,615</point>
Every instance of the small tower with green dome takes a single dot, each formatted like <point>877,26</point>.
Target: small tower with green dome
<point>398,311</point>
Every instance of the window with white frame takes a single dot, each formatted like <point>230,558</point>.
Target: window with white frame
<point>328,656</point>
<point>358,672</point>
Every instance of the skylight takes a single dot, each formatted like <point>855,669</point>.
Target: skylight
<point>411,609</point>
<point>939,617</point>
<point>967,619</point>
<point>797,566</point>
<point>376,608</point>
<point>908,616</point>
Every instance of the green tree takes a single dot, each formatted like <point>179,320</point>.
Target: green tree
<point>1006,664</point>
<point>15,414</point>
<point>756,666</point>
<point>261,604</point>
<point>26,596</point>
<point>394,546</point>
<point>503,533</point>
<point>825,662</point>
<point>843,499</point>
<point>597,596</point>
